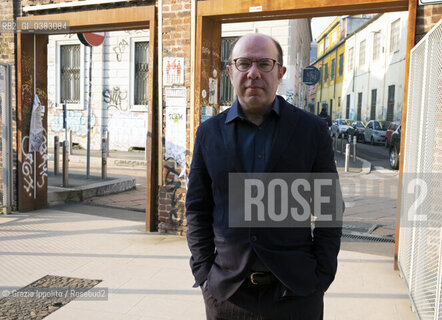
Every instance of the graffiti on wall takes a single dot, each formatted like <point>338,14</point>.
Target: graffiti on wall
<point>173,184</point>
<point>127,129</point>
<point>114,97</point>
<point>76,121</point>
<point>120,49</point>
<point>27,165</point>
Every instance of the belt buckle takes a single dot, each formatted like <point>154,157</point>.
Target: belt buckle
<point>252,277</point>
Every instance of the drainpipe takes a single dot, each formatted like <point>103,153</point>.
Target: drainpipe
<point>160,92</point>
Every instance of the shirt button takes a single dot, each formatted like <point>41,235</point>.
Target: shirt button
<point>253,238</point>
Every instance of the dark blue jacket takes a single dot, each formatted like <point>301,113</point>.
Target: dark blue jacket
<point>221,254</point>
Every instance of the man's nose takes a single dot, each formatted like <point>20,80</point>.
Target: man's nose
<point>253,72</point>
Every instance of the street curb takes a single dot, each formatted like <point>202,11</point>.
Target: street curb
<point>59,195</point>
<point>111,162</point>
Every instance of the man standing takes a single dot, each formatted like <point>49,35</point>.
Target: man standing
<point>258,273</point>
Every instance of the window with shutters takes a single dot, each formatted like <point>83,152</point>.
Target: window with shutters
<point>394,36</point>
<point>341,64</point>
<point>376,45</point>
<point>333,69</point>
<point>362,53</point>
<point>350,58</point>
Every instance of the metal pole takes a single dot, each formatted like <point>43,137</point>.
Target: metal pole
<point>5,107</point>
<point>347,156</point>
<point>70,141</point>
<point>56,155</point>
<point>88,162</point>
<point>342,143</point>
<point>65,164</point>
<point>103,158</point>
<point>355,139</point>
<point>336,142</point>
<point>107,143</point>
<point>35,91</point>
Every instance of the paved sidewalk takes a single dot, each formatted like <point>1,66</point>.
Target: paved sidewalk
<point>148,274</point>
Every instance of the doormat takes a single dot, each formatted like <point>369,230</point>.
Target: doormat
<point>46,295</point>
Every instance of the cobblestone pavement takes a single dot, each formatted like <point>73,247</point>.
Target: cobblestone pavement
<point>42,297</point>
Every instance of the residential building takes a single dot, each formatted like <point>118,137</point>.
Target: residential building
<point>375,69</point>
<point>331,62</point>
<point>119,103</point>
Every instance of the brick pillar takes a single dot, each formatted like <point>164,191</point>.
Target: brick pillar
<point>176,43</point>
<point>427,17</point>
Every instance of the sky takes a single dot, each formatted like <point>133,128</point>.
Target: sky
<point>319,24</point>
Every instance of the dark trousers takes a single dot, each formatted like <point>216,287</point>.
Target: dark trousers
<point>265,302</point>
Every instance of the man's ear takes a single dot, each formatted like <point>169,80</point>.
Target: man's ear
<point>282,72</point>
<point>229,71</point>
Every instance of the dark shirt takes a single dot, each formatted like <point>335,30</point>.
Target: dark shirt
<point>254,144</point>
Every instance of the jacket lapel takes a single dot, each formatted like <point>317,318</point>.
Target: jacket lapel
<point>284,132</point>
<point>230,145</point>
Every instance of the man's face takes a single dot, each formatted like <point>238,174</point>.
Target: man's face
<point>256,89</point>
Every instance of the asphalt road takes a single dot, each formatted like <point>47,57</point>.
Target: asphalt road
<point>378,155</point>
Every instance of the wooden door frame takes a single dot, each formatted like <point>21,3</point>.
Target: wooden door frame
<point>212,13</point>
<point>128,18</point>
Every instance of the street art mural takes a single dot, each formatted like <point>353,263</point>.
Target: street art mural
<point>76,121</point>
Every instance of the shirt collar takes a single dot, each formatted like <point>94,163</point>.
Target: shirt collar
<point>236,112</point>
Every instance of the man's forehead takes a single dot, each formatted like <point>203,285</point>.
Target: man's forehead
<point>259,44</point>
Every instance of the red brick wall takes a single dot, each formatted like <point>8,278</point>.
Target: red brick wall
<point>427,17</point>
<point>176,43</point>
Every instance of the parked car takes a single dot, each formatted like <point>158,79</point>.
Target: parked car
<point>357,129</point>
<point>340,126</point>
<point>375,131</point>
<point>391,128</point>
<point>395,148</point>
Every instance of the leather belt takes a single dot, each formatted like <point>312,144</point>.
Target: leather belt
<point>259,278</point>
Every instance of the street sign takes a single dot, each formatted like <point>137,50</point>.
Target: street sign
<point>310,75</point>
<point>93,39</point>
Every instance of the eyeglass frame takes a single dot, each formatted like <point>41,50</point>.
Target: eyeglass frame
<point>255,60</point>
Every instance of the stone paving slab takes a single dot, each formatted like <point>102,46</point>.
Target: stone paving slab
<point>148,274</point>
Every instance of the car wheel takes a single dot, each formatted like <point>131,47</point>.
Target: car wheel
<point>372,141</point>
<point>394,158</point>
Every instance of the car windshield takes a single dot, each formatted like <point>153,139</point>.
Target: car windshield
<point>360,125</point>
<point>377,126</point>
<point>343,122</point>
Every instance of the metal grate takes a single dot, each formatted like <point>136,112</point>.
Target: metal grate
<point>227,96</point>
<point>141,72</point>
<point>70,73</point>
<point>420,247</point>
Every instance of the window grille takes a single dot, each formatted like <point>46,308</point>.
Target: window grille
<point>70,73</point>
<point>141,73</point>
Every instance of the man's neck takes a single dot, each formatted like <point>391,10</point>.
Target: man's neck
<point>257,116</point>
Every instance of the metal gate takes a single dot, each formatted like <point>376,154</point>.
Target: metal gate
<point>420,242</point>
<point>227,95</point>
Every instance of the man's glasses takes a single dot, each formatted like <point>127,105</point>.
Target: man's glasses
<point>264,64</point>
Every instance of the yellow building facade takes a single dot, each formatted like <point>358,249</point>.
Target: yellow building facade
<point>330,62</point>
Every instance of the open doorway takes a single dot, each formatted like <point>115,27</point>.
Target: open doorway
<point>123,95</point>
